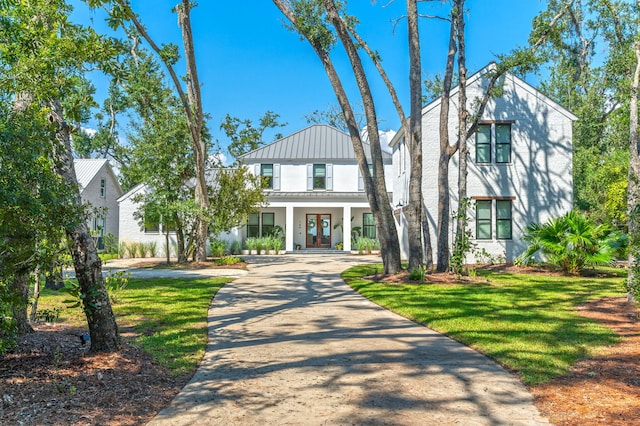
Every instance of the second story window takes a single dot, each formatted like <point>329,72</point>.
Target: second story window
<point>503,143</point>
<point>103,188</point>
<point>493,143</point>
<point>483,143</point>
<point>266,171</point>
<point>319,176</point>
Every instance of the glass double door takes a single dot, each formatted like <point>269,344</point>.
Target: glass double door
<point>318,231</point>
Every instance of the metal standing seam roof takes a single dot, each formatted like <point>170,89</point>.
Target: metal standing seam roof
<point>86,169</point>
<point>316,142</point>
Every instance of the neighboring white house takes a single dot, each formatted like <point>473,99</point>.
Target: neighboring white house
<point>519,165</point>
<point>99,187</point>
<point>132,229</point>
<point>315,189</point>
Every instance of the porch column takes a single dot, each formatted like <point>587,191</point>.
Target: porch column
<point>346,228</point>
<point>288,244</point>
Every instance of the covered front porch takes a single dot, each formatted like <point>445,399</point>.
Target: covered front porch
<point>318,225</point>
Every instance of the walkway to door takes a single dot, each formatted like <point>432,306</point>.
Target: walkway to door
<point>290,343</point>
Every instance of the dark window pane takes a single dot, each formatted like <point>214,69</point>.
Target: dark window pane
<point>266,171</point>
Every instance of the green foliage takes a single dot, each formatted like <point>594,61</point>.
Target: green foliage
<point>228,260</point>
<point>366,245</point>
<point>217,247</point>
<point>115,283</point>
<point>236,247</point>
<point>571,242</point>
<point>81,298</point>
<point>110,243</point>
<point>527,323</point>
<point>236,194</point>
<point>251,243</point>
<point>418,274</point>
<point>49,315</point>
<point>462,244</point>
<point>246,136</point>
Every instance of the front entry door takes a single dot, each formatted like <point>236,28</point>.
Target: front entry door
<point>318,231</point>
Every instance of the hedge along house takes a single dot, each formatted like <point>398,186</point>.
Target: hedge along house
<point>100,188</point>
<point>315,190</point>
<point>519,166</point>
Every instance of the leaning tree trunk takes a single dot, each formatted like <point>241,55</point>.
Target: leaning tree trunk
<point>385,222</point>
<point>446,152</point>
<point>19,289</point>
<point>88,267</point>
<point>376,192</point>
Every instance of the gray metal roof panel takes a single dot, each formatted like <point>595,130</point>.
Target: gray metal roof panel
<point>316,142</point>
<point>86,169</point>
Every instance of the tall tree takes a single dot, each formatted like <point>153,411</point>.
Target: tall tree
<point>313,20</point>
<point>40,29</point>
<point>121,13</point>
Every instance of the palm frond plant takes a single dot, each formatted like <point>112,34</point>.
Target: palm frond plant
<point>570,242</point>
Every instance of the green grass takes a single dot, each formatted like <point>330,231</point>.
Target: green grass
<point>167,316</point>
<point>527,323</point>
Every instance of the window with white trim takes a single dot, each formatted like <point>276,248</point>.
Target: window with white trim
<point>483,219</point>
<point>266,171</point>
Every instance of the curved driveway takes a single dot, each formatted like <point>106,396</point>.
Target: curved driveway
<point>291,344</point>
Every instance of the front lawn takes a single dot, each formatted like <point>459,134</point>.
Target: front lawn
<point>527,323</point>
<point>167,317</point>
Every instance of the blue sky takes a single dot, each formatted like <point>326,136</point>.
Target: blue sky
<point>249,63</point>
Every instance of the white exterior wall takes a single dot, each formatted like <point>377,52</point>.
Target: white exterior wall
<point>132,231</point>
<point>91,195</point>
<point>293,176</point>
<point>539,176</point>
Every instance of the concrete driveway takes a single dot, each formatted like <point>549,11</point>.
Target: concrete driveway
<point>291,344</point>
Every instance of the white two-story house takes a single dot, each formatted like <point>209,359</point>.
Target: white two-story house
<point>519,165</point>
<point>315,189</point>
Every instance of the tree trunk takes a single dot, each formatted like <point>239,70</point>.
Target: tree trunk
<point>195,124</point>
<point>88,267</point>
<point>19,289</point>
<point>461,226</point>
<point>446,152</point>
<point>634,180</point>
<point>385,222</point>
<point>36,295</point>
<point>414,141</point>
<point>167,245</point>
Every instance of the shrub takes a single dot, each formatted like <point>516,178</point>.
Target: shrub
<point>110,243</point>
<point>228,260</point>
<point>417,274</point>
<point>251,243</point>
<point>236,247</point>
<point>277,243</point>
<point>141,249</point>
<point>570,242</point>
<point>365,245</point>
<point>132,249</point>
<point>152,248</point>
<point>217,247</point>
<point>122,249</point>
<point>114,283</point>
